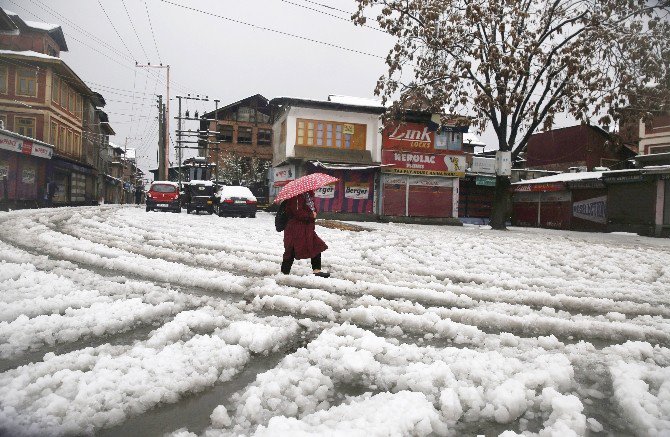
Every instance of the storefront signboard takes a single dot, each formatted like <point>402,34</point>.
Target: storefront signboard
<point>353,190</point>
<point>594,209</point>
<point>326,192</point>
<point>283,174</point>
<point>424,163</point>
<point>623,179</point>
<point>27,147</point>
<point>483,165</point>
<point>486,181</point>
<point>553,186</point>
<point>408,136</point>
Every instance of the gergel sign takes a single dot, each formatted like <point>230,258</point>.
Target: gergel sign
<point>594,210</point>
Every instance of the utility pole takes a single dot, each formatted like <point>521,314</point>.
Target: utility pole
<point>162,174</point>
<point>166,140</point>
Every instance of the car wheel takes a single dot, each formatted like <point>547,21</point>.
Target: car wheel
<point>252,215</point>
<point>220,213</point>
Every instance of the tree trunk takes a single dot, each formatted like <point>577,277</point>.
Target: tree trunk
<point>501,203</point>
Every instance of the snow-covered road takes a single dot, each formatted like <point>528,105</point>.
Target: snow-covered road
<point>114,321</point>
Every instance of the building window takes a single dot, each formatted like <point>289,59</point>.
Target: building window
<point>55,89</point>
<point>246,114</point>
<point>25,126</point>
<point>244,135</point>
<point>225,133</point>
<point>321,133</point>
<point>3,79</point>
<point>69,147</point>
<point>53,133</point>
<point>78,106</point>
<point>77,144</point>
<point>70,104</point>
<point>26,82</point>
<point>262,118</point>
<point>264,137</point>
<point>62,138</point>
<point>3,119</point>
<point>63,95</point>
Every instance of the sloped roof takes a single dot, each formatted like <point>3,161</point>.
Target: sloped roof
<point>54,30</point>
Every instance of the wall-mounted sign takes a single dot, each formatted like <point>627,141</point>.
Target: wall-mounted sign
<point>503,163</point>
<point>283,174</point>
<point>28,176</point>
<point>326,192</point>
<point>553,186</point>
<point>348,129</point>
<point>423,163</point>
<point>594,210</point>
<point>486,181</point>
<point>354,190</point>
<point>623,179</point>
<point>408,136</point>
<point>483,165</point>
<point>26,147</point>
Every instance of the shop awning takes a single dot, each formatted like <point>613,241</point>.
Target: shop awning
<point>338,166</point>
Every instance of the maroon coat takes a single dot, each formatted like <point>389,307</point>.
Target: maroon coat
<point>300,239</point>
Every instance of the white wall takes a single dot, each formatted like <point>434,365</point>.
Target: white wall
<point>373,140</point>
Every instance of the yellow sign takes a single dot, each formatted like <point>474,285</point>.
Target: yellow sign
<point>348,129</point>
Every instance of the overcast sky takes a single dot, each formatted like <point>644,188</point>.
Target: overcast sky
<point>209,55</point>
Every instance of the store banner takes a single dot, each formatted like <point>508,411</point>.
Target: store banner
<point>353,190</point>
<point>283,175</point>
<point>551,186</point>
<point>325,192</point>
<point>424,163</point>
<point>25,147</point>
<point>594,210</point>
<point>408,136</point>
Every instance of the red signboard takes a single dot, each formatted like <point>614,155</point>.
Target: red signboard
<point>27,147</point>
<point>431,164</point>
<point>408,136</point>
<point>551,186</point>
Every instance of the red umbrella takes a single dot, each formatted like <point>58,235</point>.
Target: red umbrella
<point>304,184</point>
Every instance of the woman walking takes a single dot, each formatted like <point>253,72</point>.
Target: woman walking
<point>300,239</point>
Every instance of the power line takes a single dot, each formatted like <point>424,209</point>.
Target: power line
<point>123,2</point>
<point>114,27</point>
<point>152,31</point>
<point>280,32</point>
<point>348,20</point>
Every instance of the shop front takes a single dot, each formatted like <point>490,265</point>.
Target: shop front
<point>420,171</point>
<point>632,198</point>
<point>353,193</point>
<point>71,182</point>
<point>544,205</point>
<point>24,165</point>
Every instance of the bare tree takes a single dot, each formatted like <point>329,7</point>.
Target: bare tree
<point>516,64</point>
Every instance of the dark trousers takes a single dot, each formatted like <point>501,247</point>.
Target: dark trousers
<point>288,263</point>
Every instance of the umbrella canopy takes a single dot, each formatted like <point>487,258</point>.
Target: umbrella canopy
<point>304,184</point>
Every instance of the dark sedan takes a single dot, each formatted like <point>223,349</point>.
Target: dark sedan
<point>235,201</point>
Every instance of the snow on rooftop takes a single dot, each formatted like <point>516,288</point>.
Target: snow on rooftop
<point>200,182</point>
<point>41,26</point>
<point>470,138</point>
<point>355,101</point>
<point>27,53</point>
<point>564,177</point>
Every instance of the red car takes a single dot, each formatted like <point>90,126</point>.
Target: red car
<point>163,195</point>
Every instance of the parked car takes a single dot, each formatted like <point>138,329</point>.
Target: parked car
<point>199,196</point>
<point>234,200</point>
<point>163,195</point>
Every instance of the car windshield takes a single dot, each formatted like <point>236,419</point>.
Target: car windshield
<point>163,188</point>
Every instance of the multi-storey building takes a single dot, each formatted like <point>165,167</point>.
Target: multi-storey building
<point>241,149</point>
<point>42,98</point>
